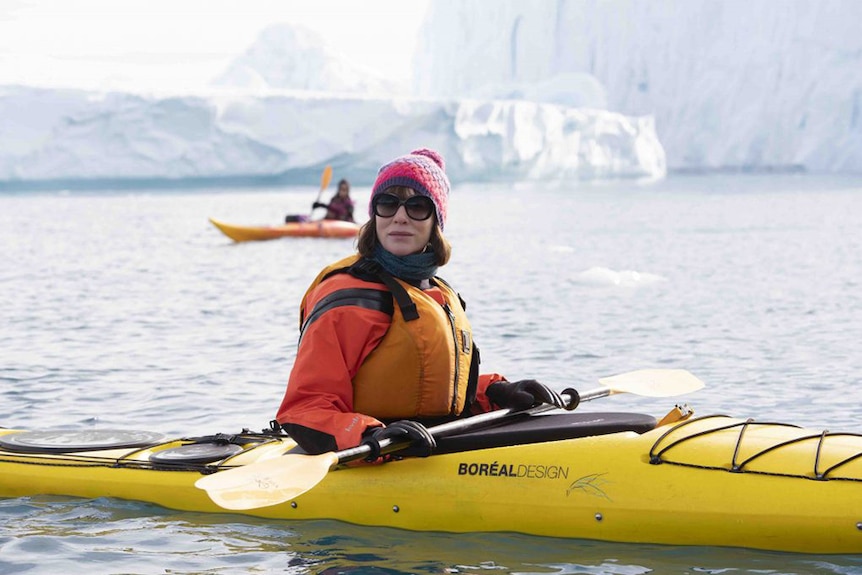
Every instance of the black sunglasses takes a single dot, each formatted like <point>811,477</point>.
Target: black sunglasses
<point>418,208</point>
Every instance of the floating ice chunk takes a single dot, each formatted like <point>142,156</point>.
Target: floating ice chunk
<point>602,276</point>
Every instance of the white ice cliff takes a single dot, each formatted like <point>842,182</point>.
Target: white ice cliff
<point>69,135</point>
<point>732,84</point>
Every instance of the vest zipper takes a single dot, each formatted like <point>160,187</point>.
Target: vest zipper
<point>457,357</point>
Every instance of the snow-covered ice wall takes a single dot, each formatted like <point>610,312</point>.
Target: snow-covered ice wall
<point>738,84</point>
<point>70,135</point>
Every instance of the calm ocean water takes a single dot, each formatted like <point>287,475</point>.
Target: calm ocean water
<point>128,309</point>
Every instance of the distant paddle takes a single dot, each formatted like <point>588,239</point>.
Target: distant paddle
<point>325,178</point>
<point>281,479</point>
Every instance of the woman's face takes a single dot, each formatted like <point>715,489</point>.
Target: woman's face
<point>400,234</point>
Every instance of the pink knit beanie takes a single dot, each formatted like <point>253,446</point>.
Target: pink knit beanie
<point>423,171</point>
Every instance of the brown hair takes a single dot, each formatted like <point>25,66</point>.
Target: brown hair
<point>367,240</point>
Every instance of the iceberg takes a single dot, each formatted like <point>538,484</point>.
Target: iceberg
<point>735,84</point>
<point>63,137</point>
<point>289,56</point>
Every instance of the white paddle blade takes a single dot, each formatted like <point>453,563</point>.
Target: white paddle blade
<point>268,482</point>
<point>653,382</point>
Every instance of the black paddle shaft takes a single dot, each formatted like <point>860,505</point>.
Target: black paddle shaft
<point>387,445</point>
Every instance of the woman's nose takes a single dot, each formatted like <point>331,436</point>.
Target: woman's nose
<point>401,214</point>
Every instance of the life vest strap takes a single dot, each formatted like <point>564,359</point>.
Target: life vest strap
<point>367,298</point>
<point>367,269</point>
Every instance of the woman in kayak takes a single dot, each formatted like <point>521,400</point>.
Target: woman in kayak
<point>340,207</point>
<point>385,345</point>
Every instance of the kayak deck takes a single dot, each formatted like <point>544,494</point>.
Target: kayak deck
<point>314,229</point>
<point>711,480</point>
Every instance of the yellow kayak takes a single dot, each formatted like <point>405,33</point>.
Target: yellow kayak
<point>624,477</point>
<point>314,229</point>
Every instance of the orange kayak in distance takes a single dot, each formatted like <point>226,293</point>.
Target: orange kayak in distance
<point>315,229</point>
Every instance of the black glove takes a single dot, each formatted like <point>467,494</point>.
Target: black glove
<point>422,442</point>
<point>522,394</point>
<point>316,205</point>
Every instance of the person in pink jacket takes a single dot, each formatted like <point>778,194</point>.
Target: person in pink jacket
<point>340,207</point>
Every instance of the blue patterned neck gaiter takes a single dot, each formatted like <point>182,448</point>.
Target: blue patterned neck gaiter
<point>415,267</point>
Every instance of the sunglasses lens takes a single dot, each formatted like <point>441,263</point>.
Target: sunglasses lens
<point>419,207</point>
<point>385,205</point>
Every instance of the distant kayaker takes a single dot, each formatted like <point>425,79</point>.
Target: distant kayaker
<point>385,345</point>
<point>340,207</point>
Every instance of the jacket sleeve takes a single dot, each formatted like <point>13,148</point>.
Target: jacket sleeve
<point>317,409</point>
<point>482,404</point>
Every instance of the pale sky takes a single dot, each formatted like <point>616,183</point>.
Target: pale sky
<point>178,44</point>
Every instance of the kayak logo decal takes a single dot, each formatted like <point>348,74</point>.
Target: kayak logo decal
<point>591,485</point>
<point>514,470</point>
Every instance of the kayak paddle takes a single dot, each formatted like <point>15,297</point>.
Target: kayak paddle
<point>283,478</point>
<point>325,178</point>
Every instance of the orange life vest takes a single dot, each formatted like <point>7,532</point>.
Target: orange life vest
<point>424,364</point>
